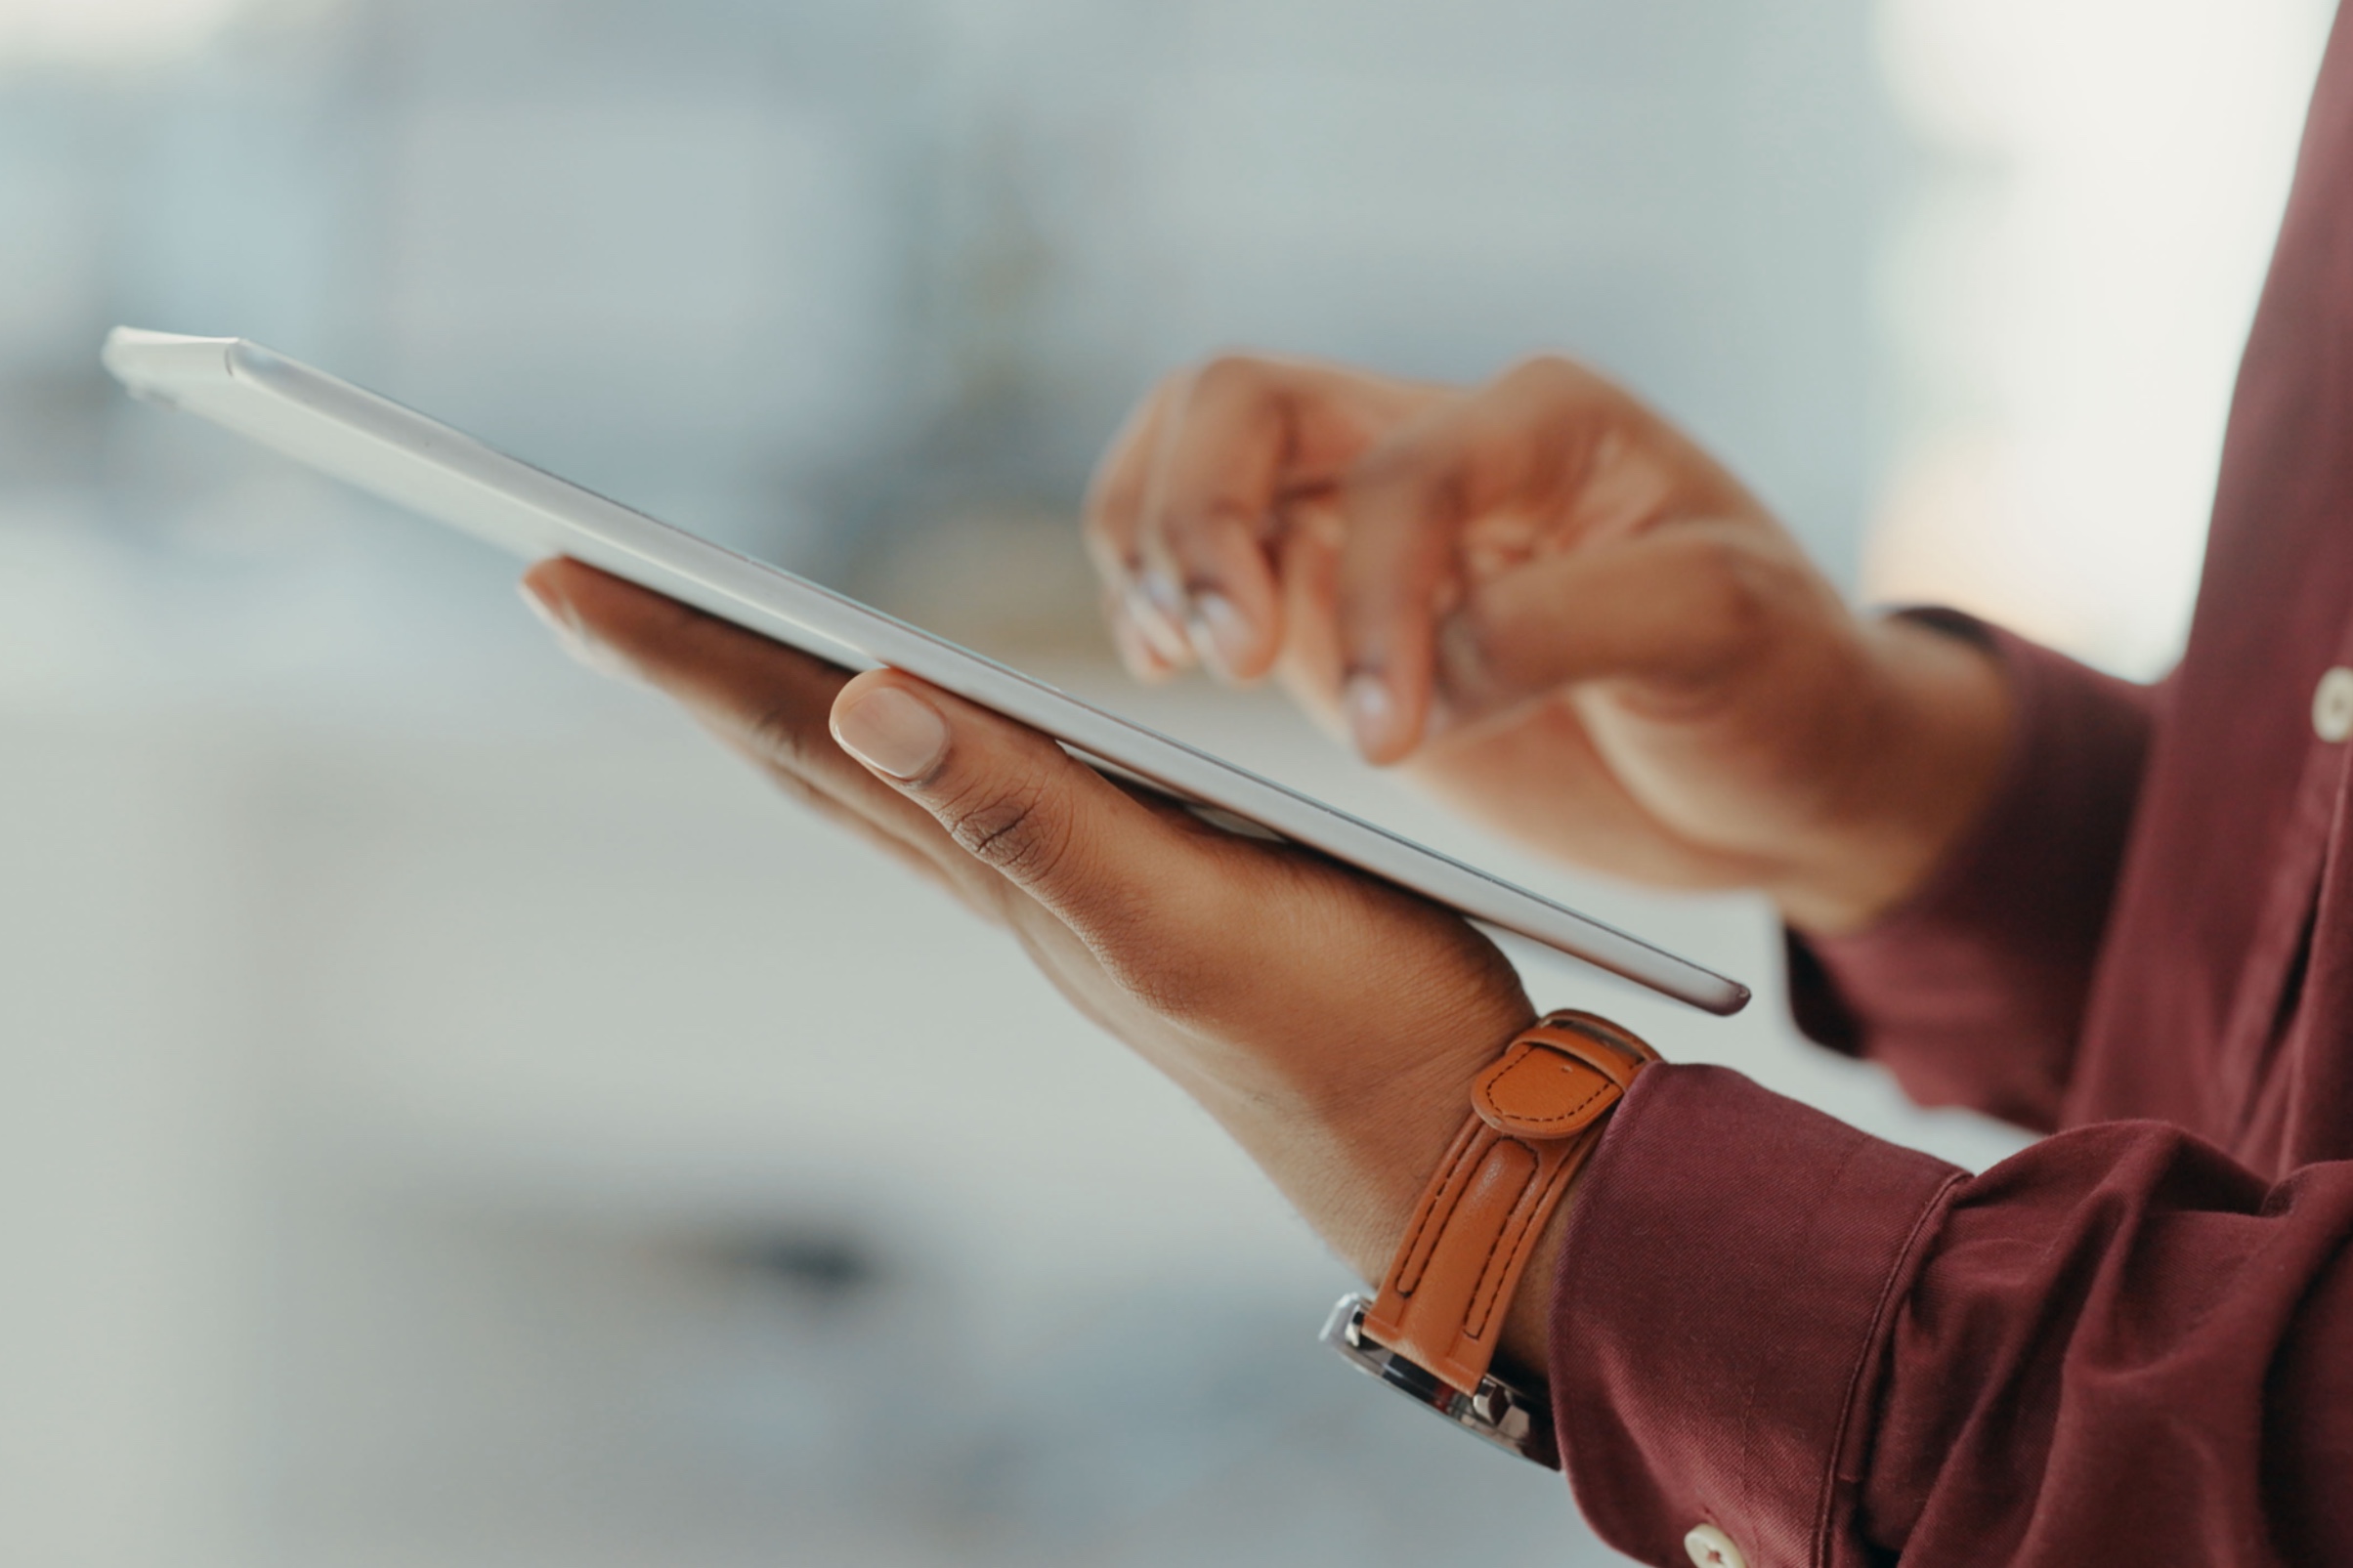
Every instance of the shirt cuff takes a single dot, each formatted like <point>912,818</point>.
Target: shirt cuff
<point>1973,991</point>
<point>1726,1284</point>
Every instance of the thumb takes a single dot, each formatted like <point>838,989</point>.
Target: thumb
<point>1682,602</point>
<point>1013,800</point>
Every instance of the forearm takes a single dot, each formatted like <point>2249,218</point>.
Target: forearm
<point>1972,990</point>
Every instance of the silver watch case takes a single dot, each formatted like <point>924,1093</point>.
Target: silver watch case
<point>1496,1412</point>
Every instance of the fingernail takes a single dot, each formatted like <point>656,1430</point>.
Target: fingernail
<point>1220,636</point>
<point>1160,592</point>
<point>577,645</point>
<point>1158,610</point>
<point>892,733</point>
<point>1372,713</point>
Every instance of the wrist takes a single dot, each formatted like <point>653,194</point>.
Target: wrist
<point>1466,1295</point>
<point>1929,748</point>
<point>1352,1152</point>
<point>1386,1142</point>
<point>1525,1346</point>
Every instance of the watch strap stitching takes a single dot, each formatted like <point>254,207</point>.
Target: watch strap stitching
<point>1498,1261</point>
<point>1572,1116</point>
<point>1439,1205</point>
<point>1465,1346</point>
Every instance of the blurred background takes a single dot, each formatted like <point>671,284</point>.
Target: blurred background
<point>448,1115</point>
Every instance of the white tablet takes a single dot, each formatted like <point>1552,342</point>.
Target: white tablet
<point>406,457</point>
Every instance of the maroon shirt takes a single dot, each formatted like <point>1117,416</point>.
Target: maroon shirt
<point>2133,1343</point>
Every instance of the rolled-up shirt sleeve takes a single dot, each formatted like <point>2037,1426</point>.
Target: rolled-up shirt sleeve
<point>2118,1346</point>
<point>1972,992</point>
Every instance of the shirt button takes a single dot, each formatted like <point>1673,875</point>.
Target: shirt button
<point>1711,1547</point>
<point>2332,706</point>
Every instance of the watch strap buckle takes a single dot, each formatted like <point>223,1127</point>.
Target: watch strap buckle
<point>1495,1411</point>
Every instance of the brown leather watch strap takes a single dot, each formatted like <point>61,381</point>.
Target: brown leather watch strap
<point>1535,1116</point>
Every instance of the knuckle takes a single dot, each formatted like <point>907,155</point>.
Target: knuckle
<point>1395,469</point>
<point>1547,372</point>
<point>1555,386</point>
<point>1195,536</point>
<point>1012,828</point>
<point>1180,963</point>
<point>1229,375</point>
<point>1408,494</point>
<point>1740,594</point>
<point>1550,392</point>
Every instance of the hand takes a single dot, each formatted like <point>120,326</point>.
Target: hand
<point>1331,1023</point>
<point>1554,612</point>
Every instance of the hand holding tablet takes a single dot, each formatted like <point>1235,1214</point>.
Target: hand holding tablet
<point>406,457</point>
<point>1330,1022</point>
<point>1336,1024</point>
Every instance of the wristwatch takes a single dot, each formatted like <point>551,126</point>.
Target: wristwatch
<point>1536,1115</point>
